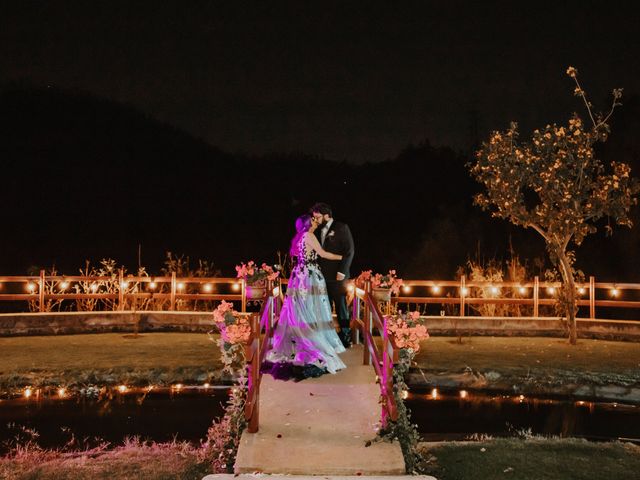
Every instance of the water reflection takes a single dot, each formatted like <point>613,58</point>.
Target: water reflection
<point>152,413</point>
<point>457,414</point>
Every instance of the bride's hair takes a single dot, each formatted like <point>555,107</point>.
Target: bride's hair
<point>303,224</point>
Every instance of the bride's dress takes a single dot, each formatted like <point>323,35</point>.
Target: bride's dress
<point>305,343</point>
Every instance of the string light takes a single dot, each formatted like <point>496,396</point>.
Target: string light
<point>463,394</point>
<point>435,289</point>
<point>94,287</point>
<point>122,388</point>
<point>152,285</point>
<point>581,291</point>
<point>64,285</point>
<point>405,394</point>
<point>62,392</point>
<point>28,392</point>
<point>551,290</point>
<point>521,398</point>
<point>434,393</point>
<point>522,290</point>
<point>495,290</point>
<point>177,387</point>
<point>180,286</point>
<point>464,291</point>
<point>31,287</point>
<point>206,385</point>
<point>124,284</point>
<point>207,287</point>
<point>406,289</point>
<point>615,292</point>
<point>235,287</point>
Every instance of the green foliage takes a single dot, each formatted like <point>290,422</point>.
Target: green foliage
<point>402,430</point>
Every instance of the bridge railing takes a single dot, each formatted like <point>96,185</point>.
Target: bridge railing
<point>367,314</point>
<point>262,326</point>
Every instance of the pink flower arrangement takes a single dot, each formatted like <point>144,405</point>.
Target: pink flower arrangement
<point>254,274</point>
<point>407,330</point>
<point>390,280</point>
<point>234,327</point>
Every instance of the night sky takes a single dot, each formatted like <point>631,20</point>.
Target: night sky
<point>354,82</point>
<point>150,111</point>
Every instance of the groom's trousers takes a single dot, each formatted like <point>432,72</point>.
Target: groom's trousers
<point>338,296</point>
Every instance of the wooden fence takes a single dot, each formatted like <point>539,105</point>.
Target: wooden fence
<point>120,290</point>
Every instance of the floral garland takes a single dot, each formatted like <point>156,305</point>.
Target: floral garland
<point>224,435</point>
<point>406,331</point>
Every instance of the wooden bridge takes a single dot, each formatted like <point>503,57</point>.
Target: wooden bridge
<point>325,425</point>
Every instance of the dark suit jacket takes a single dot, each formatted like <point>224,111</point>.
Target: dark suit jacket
<point>339,241</point>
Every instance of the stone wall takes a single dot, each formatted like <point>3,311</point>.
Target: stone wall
<point>532,326</point>
<point>95,322</point>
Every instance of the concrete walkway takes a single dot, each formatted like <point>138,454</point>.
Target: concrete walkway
<point>320,426</point>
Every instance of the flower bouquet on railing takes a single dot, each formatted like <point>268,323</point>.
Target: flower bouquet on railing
<point>406,331</point>
<point>256,278</point>
<point>382,286</point>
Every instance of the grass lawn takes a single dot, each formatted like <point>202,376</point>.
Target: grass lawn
<point>133,461</point>
<point>527,360</point>
<point>532,459</point>
<point>159,358</point>
<point>163,358</point>
<point>521,459</point>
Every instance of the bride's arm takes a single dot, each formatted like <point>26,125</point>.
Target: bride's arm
<point>313,243</point>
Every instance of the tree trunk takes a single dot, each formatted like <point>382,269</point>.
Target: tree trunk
<point>570,289</point>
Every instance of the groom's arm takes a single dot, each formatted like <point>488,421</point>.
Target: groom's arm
<point>348,250</point>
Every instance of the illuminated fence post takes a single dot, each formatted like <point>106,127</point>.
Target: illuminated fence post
<point>173,291</point>
<point>463,289</point>
<point>243,284</point>
<point>41,292</point>
<point>536,295</point>
<point>592,297</point>
<point>121,288</point>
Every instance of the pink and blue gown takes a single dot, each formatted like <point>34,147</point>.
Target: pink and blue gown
<point>305,343</point>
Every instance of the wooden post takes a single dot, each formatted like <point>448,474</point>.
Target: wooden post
<point>366,360</point>
<point>120,289</point>
<point>41,292</point>
<point>536,295</point>
<point>355,314</point>
<point>462,294</point>
<point>252,405</point>
<point>592,297</point>
<point>385,382</point>
<point>243,285</point>
<point>173,291</point>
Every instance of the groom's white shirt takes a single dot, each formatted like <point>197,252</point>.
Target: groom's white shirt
<point>324,231</point>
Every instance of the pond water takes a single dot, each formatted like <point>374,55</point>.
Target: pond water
<point>455,414</point>
<point>160,415</point>
<point>163,415</point>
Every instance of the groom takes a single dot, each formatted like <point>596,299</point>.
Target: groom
<point>335,237</point>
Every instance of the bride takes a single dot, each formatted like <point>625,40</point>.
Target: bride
<point>305,343</point>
